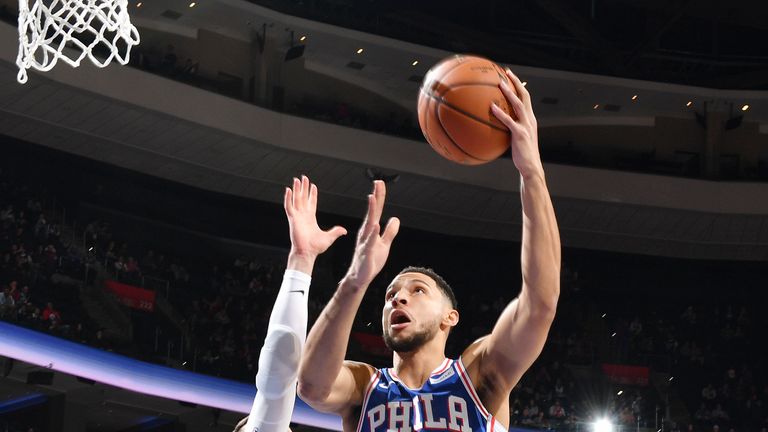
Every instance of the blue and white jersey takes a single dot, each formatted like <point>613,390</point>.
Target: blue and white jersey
<point>446,402</point>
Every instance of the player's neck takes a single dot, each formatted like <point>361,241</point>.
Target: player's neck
<point>414,368</point>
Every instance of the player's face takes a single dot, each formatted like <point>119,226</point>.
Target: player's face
<point>414,307</point>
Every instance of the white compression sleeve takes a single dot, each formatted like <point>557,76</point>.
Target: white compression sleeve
<point>280,355</point>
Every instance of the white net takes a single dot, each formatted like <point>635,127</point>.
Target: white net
<point>98,29</point>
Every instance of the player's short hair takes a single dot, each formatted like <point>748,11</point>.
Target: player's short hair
<point>441,283</point>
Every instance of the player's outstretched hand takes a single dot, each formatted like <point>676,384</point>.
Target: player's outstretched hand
<point>307,238</point>
<point>522,127</point>
<point>372,247</point>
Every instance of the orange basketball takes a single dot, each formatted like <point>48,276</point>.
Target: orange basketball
<point>455,109</point>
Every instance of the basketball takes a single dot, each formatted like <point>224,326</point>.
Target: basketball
<point>454,109</point>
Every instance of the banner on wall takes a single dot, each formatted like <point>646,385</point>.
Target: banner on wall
<point>131,296</point>
<point>625,374</point>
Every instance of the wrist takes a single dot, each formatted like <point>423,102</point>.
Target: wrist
<point>354,283</point>
<point>533,175</point>
<point>301,261</point>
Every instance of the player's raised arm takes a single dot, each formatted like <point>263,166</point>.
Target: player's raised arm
<point>279,359</point>
<point>519,335</point>
<point>326,381</point>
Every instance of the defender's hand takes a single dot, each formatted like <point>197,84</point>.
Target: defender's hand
<point>307,239</point>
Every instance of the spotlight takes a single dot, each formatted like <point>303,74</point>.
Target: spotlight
<point>192,4</point>
<point>689,103</point>
<point>138,5</point>
<point>596,106</point>
<point>415,62</point>
<point>360,51</point>
<point>745,107</point>
<point>303,38</point>
<point>602,425</point>
<point>621,392</point>
<point>634,98</point>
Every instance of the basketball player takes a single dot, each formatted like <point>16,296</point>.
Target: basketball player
<point>279,358</point>
<point>424,390</point>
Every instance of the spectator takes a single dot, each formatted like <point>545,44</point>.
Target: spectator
<point>556,411</point>
<point>50,313</point>
<point>709,393</point>
<point>718,414</point>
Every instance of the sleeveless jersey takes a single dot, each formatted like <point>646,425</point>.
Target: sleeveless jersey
<point>446,402</point>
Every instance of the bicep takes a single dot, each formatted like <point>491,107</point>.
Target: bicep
<point>515,342</point>
<point>348,389</point>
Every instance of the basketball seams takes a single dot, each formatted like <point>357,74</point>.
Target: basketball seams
<point>436,145</point>
<point>447,74</point>
<point>442,101</point>
<point>448,134</point>
<point>436,92</point>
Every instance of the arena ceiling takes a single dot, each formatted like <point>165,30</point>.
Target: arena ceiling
<point>61,113</point>
<point>386,66</point>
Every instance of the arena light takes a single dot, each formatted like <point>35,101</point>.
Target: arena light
<point>415,62</point>
<point>602,425</point>
<point>634,98</point>
<point>745,107</point>
<point>596,106</point>
<point>689,103</point>
<point>138,5</point>
<point>303,38</point>
<point>192,4</point>
<point>360,51</point>
<point>621,392</point>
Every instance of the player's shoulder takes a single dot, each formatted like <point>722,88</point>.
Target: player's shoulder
<point>361,372</point>
<point>473,354</point>
<point>474,360</point>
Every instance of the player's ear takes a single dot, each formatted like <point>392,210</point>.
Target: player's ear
<point>451,318</point>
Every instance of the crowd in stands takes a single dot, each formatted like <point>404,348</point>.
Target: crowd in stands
<point>36,266</point>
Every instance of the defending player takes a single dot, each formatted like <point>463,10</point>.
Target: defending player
<point>423,389</point>
<point>279,358</point>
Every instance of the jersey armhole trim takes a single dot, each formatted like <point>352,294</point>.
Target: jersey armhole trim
<point>464,377</point>
<point>371,385</point>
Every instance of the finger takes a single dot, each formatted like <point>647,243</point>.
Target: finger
<point>370,215</point>
<point>379,194</point>
<point>505,118</point>
<point>372,232</point>
<point>514,100</point>
<point>288,202</point>
<point>305,187</point>
<point>337,232</point>
<point>519,88</point>
<point>313,197</point>
<point>296,193</point>
<point>365,227</point>
<point>393,227</point>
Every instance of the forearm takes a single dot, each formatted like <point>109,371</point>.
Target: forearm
<point>327,341</point>
<point>540,245</point>
<point>280,354</point>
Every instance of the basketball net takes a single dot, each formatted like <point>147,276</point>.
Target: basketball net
<point>86,28</point>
